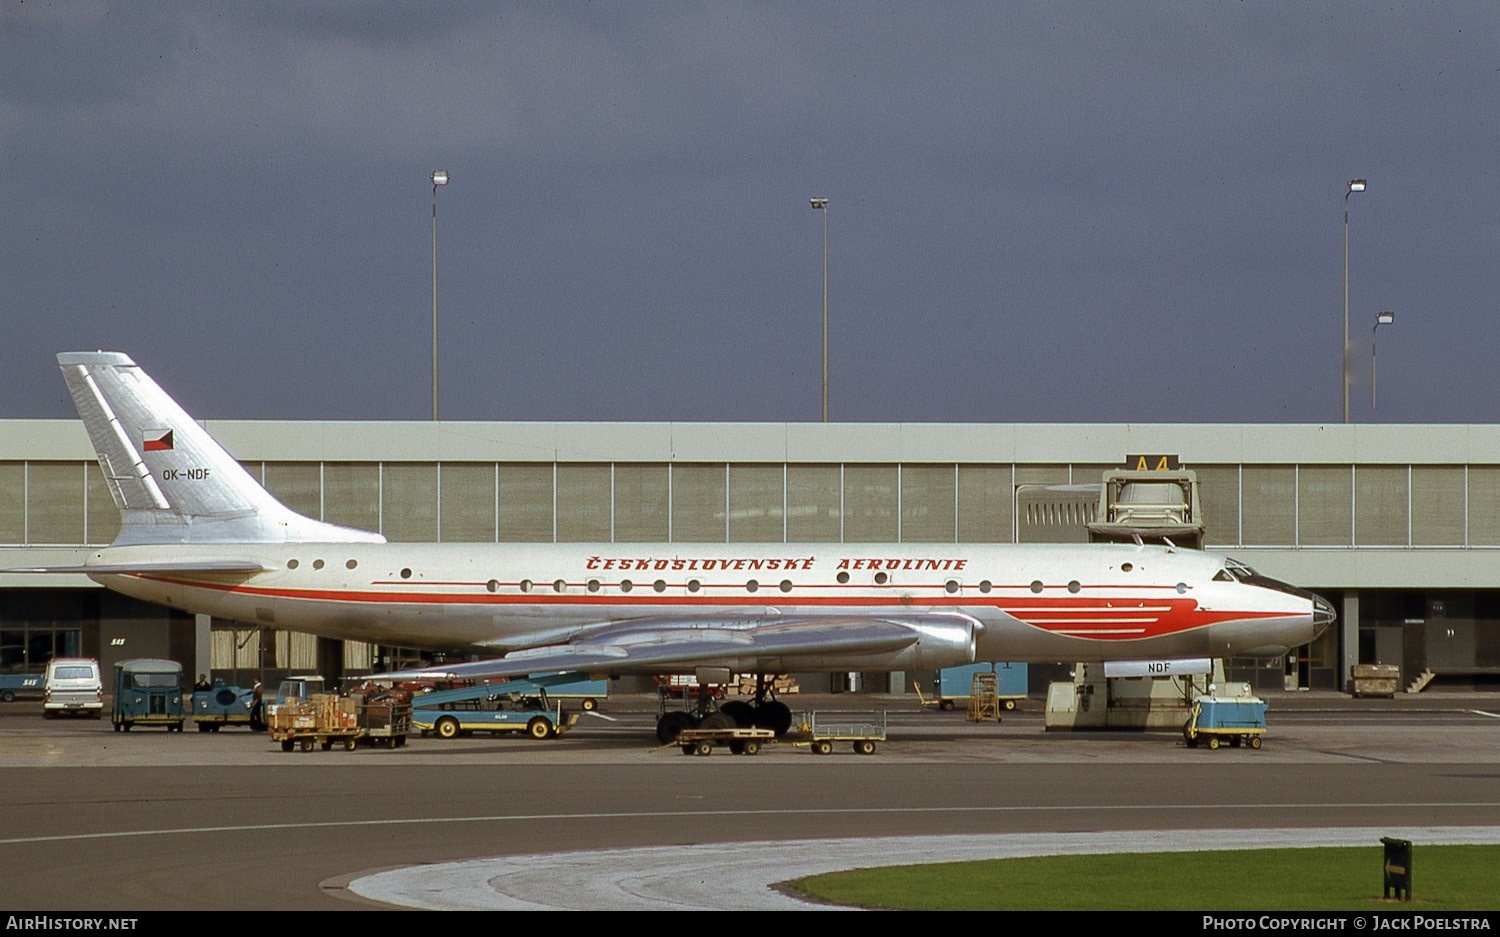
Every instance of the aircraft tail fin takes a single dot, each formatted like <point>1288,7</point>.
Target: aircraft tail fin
<point>171,480</point>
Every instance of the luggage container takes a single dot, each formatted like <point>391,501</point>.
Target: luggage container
<point>1374,680</point>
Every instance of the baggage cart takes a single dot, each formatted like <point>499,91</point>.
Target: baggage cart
<point>742,741</point>
<point>322,719</point>
<point>820,730</point>
<point>383,721</point>
<point>1215,721</point>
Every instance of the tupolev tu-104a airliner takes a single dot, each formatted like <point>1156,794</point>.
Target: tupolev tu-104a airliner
<point>199,534</point>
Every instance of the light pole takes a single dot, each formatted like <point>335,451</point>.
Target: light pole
<point>439,178</point>
<point>1355,185</point>
<point>1384,318</point>
<point>821,204</point>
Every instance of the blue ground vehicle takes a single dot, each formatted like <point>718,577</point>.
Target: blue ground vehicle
<point>13,685</point>
<point>954,684</point>
<point>221,706</point>
<point>587,692</point>
<point>520,705</point>
<point>148,692</point>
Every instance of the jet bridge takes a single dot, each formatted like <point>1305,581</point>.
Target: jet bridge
<point>1154,507</point>
<point>1147,507</point>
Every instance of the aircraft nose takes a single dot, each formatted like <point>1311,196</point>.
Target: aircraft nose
<point>1323,614</point>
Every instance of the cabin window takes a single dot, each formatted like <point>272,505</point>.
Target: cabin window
<point>1074,586</point>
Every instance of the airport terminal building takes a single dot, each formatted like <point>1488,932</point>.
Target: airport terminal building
<point>1398,526</point>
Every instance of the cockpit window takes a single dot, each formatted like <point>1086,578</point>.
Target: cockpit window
<point>1241,572</point>
<point>1223,576</point>
<point>1250,577</point>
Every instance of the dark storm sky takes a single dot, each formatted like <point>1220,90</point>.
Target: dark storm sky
<point>1038,212</point>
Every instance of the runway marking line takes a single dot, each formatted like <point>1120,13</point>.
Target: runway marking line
<point>664,814</point>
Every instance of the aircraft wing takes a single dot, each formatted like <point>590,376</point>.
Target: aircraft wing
<point>175,565</point>
<point>646,645</point>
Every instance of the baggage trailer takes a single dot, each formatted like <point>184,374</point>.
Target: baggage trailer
<point>384,720</point>
<point>1239,721</point>
<point>744,741</point>
<point>321,719</point>
<point>862,729</point>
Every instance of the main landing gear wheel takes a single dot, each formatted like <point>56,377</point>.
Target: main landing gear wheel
<point>447,728</point>
<point>740,711</point>
<point>671,725</point>
<point>539,728</point>
<point>774,715</point>
<point>719,720</point>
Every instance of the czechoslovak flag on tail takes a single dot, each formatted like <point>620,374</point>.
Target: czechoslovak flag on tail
<point>158,440</point>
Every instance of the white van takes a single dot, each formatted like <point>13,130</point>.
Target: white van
<point>72,685</point>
